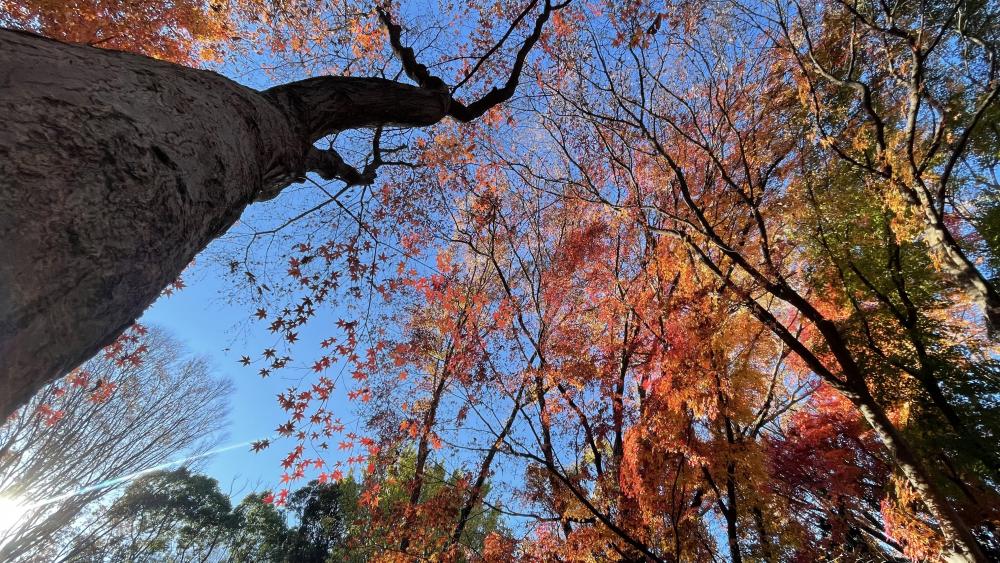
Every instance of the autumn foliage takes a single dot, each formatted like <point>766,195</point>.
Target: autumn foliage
<point>716,284</point>
<point>684,301</point>
<point>184,31</point>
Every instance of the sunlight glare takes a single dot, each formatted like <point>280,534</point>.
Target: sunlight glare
<point>11,512</point>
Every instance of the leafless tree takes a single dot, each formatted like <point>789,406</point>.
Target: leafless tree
<point>120,414</point>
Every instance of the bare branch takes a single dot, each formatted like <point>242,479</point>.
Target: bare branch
<point>496,96</point>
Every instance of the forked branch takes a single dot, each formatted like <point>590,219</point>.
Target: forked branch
<point>329,165</point>
<point>462,112</point>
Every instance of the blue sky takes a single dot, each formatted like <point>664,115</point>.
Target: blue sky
<point>208,325</point>
<point>213,322</point>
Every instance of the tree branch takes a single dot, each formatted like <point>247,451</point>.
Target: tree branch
<point>496,96</point>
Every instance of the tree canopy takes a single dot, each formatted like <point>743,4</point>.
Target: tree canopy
<point>679,280</point>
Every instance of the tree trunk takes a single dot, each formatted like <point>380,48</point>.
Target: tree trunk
<point>948,254</point>
<point>961,545</point>
<point>955,264</point>
<point>117,169</point>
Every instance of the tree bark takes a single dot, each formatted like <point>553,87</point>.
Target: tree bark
<point>117,169</point>
<point>962,546</point>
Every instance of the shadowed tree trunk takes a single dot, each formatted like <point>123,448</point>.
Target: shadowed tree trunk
<point>117,169</point>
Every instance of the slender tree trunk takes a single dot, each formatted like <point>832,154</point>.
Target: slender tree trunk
<point>730,511</point>
<point>732,534</point>
<point>954,262</point>
<point>963,546</point>
<point>766,549</point>
<point>423,447</point>
<point>475,494</point>
<point>547,452</point>
<point>117,169</point>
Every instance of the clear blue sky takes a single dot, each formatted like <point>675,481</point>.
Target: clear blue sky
<point>211,324</point>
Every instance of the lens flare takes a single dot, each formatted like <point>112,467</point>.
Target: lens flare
<point>12,510</point>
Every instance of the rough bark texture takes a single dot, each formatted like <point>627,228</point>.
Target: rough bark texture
<point>116,169</point>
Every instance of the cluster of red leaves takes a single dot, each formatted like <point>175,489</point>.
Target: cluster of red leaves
<point>127,351</point>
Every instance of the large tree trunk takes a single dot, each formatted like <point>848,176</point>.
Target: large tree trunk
<point>116,169</point>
